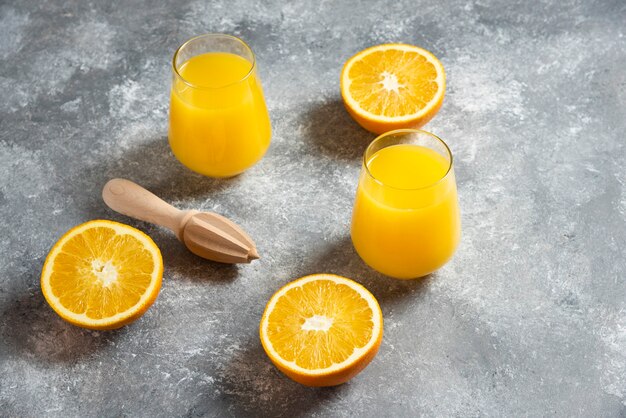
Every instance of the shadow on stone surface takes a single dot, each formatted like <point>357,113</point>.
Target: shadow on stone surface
<point>331,130</point>
<point>152,165</point>
<point>250,385</point>
<point>340,257</point>
<point>34,331</point>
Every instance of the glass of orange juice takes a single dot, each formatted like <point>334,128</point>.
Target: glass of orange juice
<point>219,124</point>
<point>406,222</point>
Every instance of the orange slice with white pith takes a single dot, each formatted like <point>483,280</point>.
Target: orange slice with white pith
<point>393,86</point>
<point>102,275</point>
<point>322,330</point>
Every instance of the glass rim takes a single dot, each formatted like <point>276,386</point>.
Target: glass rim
<point>213,35</point>
<point>404,132</point>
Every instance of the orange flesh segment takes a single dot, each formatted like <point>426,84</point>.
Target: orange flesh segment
<point>393,82</point>
<point>78,288</point>
<point>351,326</point>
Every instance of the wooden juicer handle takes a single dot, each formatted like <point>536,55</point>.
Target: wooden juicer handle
<point>132,200</point>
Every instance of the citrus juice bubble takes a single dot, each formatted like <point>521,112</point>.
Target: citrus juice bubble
<point>219,124</point>
<point>406,221</point>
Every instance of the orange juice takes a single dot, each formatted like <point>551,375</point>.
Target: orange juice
<point>219,125</point>
<point>406,221</point>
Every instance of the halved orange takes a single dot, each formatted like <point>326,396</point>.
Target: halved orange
<point>102,275</point>
<point>393,86</point>
<point>322,330</point>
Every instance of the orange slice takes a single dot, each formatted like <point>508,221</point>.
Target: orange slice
<point>321,330</point>
<point>393,86</point>
<point>102,275</point>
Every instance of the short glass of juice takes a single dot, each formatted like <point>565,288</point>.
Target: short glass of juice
<point>219,125</point>
<point>406,222</point>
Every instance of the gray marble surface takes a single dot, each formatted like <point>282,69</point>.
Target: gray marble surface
<point>529,319</point>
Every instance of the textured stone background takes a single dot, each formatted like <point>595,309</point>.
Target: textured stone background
<point>529,319</point>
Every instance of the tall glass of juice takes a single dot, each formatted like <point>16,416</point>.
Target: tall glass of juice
<point>219,124</point>
<point>406,222</point>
